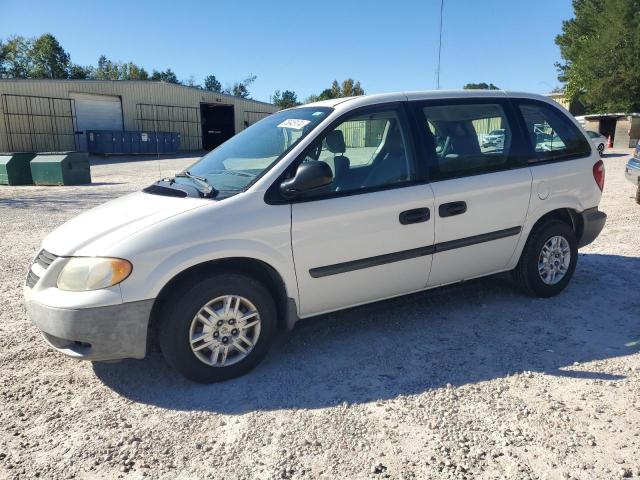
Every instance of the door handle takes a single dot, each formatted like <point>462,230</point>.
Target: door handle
<point>452,208</point>
<point>416,215</point>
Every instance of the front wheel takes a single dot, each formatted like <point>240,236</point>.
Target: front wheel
<point>217,329</point>
<point>548,260</point>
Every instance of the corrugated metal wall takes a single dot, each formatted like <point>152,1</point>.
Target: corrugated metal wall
<point>131,93</point>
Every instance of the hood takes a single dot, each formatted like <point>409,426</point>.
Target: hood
<point>92,232</point>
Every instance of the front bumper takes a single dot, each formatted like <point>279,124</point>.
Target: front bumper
<point>99,333</point>
<point>593,221</point>
<point>632,171</point>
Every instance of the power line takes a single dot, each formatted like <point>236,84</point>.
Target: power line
<point>439,46</point>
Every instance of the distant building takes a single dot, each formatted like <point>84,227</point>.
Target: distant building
<point>624,128</point>
<point>560,98</point>
<point>54,115</point>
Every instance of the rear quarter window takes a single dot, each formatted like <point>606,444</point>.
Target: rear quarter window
<point>553,136</point>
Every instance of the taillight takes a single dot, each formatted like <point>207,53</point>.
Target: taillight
<point>598,174</point>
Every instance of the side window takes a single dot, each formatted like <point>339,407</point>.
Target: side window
<point>365,151</point>
<point>468,139</point>
<point>553,136</point>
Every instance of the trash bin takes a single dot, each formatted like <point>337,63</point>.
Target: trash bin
<point>61,168</point>
<point>15,169</point>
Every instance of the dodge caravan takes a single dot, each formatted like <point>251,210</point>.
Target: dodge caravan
<point>315,209</point>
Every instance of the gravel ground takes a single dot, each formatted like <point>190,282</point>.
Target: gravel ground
<point>470,381</point>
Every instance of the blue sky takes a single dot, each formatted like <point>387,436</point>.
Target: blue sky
<point>303,45</point>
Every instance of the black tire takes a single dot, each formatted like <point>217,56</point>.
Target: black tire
<point>638,195</point>
<point>179,311</point>
<point>526,273</point>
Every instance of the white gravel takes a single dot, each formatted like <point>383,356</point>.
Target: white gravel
<point>470,381</point>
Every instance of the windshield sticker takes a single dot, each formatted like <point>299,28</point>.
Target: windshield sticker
<point>294,123</point>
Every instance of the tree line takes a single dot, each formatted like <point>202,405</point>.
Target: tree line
<point>44,57</point>
<point>600,48</point>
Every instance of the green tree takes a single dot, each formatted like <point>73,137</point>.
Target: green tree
<point>78,72</point>
<point>48,58</point>
<point>109,70</point>
<point>286,99</point>
<point>349,88</point>
<point>165,76</point>
<point>15,58</point>
<point>600,48</point>
<point>241,88</point>
<point>212,84</point>
<point>480,86</point>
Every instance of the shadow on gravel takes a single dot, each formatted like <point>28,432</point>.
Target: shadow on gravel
<point>66,201</point>
<point>477,331</point>
<point>164,157</point>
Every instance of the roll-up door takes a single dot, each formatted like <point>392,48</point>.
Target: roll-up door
<point>96,112</point>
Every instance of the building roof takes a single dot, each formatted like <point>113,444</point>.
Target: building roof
<point>596,116</point>
<point>140,82</point>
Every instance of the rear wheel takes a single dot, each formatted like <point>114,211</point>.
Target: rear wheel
<point>548,260</point>
<point>217,329</point>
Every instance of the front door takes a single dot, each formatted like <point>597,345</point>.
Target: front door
<point>481,189</point>
<point>369,235</point>
<point>217,124</point>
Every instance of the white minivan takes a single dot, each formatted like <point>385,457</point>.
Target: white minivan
<point>315,209</point>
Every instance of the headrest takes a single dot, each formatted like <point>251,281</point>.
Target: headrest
<point>393,143</point>
<point>335,142</point>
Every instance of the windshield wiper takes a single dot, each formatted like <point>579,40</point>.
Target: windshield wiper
<point>233,172</point>
<point>208,190</point>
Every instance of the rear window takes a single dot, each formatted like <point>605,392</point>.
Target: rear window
<point>553,136</point>
<point>468,139</point>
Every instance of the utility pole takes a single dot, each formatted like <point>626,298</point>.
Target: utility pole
<point>439,47</point>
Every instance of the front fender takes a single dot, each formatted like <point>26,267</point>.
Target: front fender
<point>149,284</point>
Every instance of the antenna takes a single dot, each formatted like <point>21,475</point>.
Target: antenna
<point>439,47</point>
<point>155,127</point>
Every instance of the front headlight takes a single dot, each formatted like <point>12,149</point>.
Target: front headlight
<point>93,273</point>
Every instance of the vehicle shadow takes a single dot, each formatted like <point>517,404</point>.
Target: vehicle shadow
<point>163,157</point>
<point>477,331</point>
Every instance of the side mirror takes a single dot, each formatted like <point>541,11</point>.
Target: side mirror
<point>309,176</point>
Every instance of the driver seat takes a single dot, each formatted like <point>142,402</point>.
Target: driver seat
<point>336,145</point>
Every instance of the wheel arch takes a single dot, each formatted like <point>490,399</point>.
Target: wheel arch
<point>566,215</point>
<point>254,268</point>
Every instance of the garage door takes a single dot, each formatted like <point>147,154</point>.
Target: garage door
<point>96,112</point>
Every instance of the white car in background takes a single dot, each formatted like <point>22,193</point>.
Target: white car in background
<point>599,140</point>
<point>494,138</point>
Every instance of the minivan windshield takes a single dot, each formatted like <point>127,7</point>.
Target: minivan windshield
<point>237,162</point>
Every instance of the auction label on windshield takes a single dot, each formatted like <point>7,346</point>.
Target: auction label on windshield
<point>294,123</point>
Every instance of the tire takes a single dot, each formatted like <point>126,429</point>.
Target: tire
<point>180,323</point>
<point>527,274</point>
<point>638,195</point>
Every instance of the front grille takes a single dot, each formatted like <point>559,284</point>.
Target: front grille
<point>44,259</point>
<point>32,279</point>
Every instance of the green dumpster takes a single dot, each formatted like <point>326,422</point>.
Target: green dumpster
<point>14,168</point>
<point>61,168</point>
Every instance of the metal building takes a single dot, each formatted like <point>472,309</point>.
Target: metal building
<point>53,115</point>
